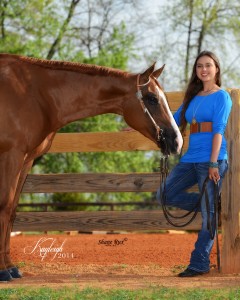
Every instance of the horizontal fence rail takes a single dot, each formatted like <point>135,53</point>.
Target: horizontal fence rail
<point>86,221</point>
<point>92,183</point>
<point>103,142</point>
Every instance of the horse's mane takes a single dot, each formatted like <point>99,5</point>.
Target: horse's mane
<point>72,66</point>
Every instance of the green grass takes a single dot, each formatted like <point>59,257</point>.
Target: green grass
<point>152,293</point>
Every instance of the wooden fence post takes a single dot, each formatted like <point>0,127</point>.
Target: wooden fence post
<point>230,256</point>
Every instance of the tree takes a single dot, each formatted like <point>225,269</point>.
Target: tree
<point>194,25</point>
<point>27,26</point>
<point>62,29</point>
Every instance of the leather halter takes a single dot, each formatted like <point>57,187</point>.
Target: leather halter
<point>146,111</point>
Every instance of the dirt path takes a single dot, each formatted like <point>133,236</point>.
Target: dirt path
<point>110,260</point>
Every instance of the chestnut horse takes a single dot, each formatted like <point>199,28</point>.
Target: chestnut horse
<point>38,97</point>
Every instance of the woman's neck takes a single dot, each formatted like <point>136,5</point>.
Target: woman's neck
<point>209,89</point>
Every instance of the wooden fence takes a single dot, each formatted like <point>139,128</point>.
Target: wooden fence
<point>132,182</point>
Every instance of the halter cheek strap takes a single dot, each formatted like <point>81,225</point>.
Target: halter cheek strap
<point>145,110</point>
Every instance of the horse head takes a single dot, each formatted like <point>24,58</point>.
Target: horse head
<point>149,113</point>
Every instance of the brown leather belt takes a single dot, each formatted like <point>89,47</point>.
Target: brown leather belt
<point>201,127</point>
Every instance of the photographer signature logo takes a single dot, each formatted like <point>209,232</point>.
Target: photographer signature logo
<point>48,247</point>
<point>115,242</point>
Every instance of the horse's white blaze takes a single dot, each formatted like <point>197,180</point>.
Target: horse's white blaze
<point>179,138</point>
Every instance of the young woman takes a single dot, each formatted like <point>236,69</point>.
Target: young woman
<point>206,107</point>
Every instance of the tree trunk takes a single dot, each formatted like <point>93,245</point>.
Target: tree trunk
<point>186,71</point>
<point>58,40</point>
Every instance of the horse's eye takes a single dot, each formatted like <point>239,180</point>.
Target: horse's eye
<point>152,99</point>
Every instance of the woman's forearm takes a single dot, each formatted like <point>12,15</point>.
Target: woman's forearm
<point>216,145</point>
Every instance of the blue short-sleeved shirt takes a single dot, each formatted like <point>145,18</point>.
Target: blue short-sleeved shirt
<point>213,108</point>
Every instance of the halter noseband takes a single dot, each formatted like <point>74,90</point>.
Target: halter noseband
<point>146,111</point>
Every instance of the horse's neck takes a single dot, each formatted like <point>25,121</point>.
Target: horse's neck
<point>82,95</point>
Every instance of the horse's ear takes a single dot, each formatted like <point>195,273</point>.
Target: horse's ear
<point>158,72</point>
<point>145,75</point>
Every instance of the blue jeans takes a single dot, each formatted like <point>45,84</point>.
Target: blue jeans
<point>181,178</point>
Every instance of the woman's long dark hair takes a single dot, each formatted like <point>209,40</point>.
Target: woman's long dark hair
<point>195,85</point>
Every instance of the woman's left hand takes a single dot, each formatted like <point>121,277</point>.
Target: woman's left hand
<point>214,174</point>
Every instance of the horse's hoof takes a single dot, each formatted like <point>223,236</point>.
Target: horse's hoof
<point>15,273</point>
<point>5,276</point>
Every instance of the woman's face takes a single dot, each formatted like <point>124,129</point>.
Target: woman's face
<point>206,69</point>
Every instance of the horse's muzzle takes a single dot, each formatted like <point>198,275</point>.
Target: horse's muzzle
<point>171,142</point>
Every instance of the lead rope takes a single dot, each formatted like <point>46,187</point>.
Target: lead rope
<point>212,225</point>
<point>168,215</point>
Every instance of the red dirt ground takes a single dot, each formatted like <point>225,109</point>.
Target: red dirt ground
<point>110,261</point>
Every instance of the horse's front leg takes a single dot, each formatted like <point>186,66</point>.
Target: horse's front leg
<point>4,274</point>
<point>29,158</point>
<point>11,163</point>
<point>12,269</point>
